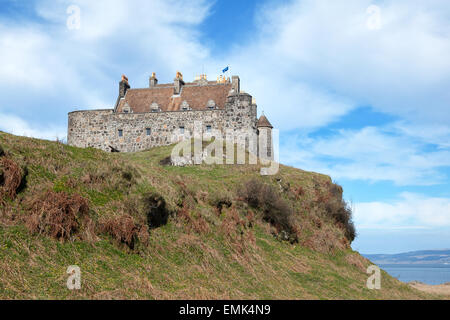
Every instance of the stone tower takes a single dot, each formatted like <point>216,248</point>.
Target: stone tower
<point>265,146</point>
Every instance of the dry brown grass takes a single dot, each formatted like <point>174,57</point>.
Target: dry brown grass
<point>58,214</point>
<point>442,289</point>
<point>125,230</point>
<point>357,261</point>
<point>192,223</point>
<point>10,178</point>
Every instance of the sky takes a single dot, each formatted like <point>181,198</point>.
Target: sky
<point>358,89</point>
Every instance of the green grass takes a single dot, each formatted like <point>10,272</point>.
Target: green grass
<point>179,261</point>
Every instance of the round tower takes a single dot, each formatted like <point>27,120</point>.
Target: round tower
<point>265,145</point>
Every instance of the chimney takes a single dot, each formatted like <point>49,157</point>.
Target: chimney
<point>236,84</point>
<point>123,86</point>
<point>153,80</point>
<point>178,83</point>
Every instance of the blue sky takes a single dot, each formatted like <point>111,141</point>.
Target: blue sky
<point>358,89</point>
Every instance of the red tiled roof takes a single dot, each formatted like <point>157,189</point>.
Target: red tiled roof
<point>197,96</point>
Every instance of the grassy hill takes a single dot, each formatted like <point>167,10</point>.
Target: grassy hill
<point>139,229</point>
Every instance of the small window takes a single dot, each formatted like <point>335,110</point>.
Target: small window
<point>211,105</point>
<point>154,107</point>
<point>184,105</point>
<point>120,133</point>
<point>208,129</point>
<point>126,108</point>
<point>149,131</point>
<point>182,130</point>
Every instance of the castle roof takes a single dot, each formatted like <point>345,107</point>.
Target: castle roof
<point>263,122</point>
<point>197,96</point>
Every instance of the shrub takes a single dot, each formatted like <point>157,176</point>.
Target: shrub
<point>193,222</point>
<point>57,214</point>
<point>156,210</point>
<point>12,177</point>
<point>124,230</point>
<point>167,161</point>
<point>221,201</point>
<point>2,152</point>
<point>340,212</point>
<point>275,209</point>
<point>117,177</point>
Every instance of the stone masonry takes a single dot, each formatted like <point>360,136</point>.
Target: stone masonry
<point>165,113</point>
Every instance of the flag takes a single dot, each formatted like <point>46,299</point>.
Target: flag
<point>226,69</point>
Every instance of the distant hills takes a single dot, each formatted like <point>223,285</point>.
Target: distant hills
<point>415,257</point>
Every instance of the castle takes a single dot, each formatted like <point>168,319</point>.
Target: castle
<point>149,117</point>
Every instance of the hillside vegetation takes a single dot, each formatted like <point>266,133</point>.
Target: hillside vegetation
<point>141,229</point>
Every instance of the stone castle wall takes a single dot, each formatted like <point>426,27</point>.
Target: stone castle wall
<point>100,128</point>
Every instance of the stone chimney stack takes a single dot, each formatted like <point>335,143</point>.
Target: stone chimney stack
<point>153,80</point>
<point>123,86</point>
<point>178,82</point>
<point>236,84</point>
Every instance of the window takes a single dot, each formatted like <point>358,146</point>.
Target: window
<point>208,129</point>
<point>184,105</point>
<point>149,131</point>
<point>120,133</point>
<point>126,108</point>
<point>154,107</point>
<point>182,130</point>
<point>211,105</point>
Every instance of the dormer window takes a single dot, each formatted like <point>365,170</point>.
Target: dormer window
<point>154,107</point>
<point>126,108</point>
<point>211,105</point>
<point>184,106</point>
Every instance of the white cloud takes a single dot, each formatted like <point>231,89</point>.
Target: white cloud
<point>19,127</point>
<point>371,154</point>
<point>411,211</point>
<point>314,61</point>
<point>309,63</point>
<point>52,70</point>
<point>435,134</point>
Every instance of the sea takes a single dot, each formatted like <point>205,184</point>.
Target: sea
<point>429,274</point>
